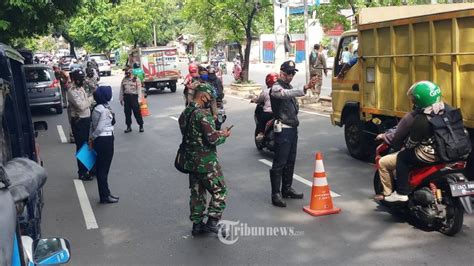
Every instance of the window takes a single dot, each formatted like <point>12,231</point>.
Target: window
<point>38,75</point>
<point>347,44</point>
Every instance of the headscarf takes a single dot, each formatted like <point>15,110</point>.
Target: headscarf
<point>103,94</point>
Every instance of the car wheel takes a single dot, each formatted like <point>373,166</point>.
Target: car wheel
<point>109,73</point>
<point>173,86</point>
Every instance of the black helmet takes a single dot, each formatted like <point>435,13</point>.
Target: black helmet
<point>89,72</point>
<point>77,76</point>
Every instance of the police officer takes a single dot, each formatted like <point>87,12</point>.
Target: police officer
<point>285,110</point>
<point>79,109</point>
<point>201,139</point>
<point>130,93</point>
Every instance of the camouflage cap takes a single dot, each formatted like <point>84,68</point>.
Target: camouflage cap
<point>207,89</point>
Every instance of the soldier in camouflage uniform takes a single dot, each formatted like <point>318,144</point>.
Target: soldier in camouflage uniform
<point>201,161</point>
<point>90,82</point>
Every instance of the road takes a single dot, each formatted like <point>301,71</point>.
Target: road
<point>150,226</point>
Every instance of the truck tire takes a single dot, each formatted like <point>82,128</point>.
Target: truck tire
<point>173,86</point>
<point>59,108</point>
<point>354,136</point>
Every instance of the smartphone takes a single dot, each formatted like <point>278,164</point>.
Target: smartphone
<point>229,128</point>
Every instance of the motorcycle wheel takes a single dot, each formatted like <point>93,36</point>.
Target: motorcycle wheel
<point>259,145</point>
<point>454,217</point>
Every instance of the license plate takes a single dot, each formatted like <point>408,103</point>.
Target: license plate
<point>462,189</point>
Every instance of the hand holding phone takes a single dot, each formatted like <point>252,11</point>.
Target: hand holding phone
<point>229,128</point>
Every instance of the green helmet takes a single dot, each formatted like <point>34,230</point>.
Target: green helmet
<point>425,93</point>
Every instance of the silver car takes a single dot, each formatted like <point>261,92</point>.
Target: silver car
<point>43,87</point>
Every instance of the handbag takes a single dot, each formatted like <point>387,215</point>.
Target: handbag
<point>180,158</point>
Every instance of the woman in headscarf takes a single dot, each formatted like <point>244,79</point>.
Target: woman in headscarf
<point>102,140</point>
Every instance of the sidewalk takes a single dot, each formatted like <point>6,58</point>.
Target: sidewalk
<point>322,105</point>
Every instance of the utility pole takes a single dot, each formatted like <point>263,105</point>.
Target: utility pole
<point>306,39</point>
<point>280,21</point>
<point>154,33</point>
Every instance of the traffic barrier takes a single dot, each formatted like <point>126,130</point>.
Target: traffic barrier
<point>321,200</point>
<point>144,108</point>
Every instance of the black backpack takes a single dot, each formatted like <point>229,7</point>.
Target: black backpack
<point>452,139</point>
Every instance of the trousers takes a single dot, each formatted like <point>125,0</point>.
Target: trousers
<point>104,146</point>
<point>387,165</point>
<point>286,143</point>
<point>80,129</point>
<point>200,184</point>
<point>130,103</point>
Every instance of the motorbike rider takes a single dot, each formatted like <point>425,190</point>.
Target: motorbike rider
<point>420,146</point>
<point>264,114</point>
<point>190,83</point>
<point>387,164</point>
<point>216,83</point>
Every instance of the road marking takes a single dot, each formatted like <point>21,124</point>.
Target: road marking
<point>62,136</point>
<point>314,113</point>
<point>303,111</point>
<point>89,217</point>
<point>299,178</point>
<point>174,118</point>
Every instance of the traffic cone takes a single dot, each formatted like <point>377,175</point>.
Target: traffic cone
<point>321,200</point>
<point>144,107</point>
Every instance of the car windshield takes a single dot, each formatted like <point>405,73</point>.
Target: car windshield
<point>99,57</point>
<point>38,75</point>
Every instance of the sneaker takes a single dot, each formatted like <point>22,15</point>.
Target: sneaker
<point>128,130</point>
<point>395,197</point>
<point>141,129</point>
<point>259,137</point>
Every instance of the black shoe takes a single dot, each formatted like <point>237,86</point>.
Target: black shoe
<point>128,130</point>
<point>109,199</point>
<point>199,229</point>
<point>114,197</point>
<point>278,201</point>
<point>291,193</point>
<point>85,177</point>
<point>141,129</point>
<point>212,225</point>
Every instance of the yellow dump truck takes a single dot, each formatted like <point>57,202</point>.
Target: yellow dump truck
<point>393,48</point>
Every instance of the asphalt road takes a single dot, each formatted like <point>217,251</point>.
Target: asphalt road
<point>150,225</point>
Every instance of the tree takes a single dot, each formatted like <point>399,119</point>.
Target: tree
<point>133,22</point>
<point>92,27</point>
<point>22,19</point>
<point>235,19</point>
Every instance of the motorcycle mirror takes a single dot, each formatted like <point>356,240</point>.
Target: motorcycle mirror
<point>50,251</point>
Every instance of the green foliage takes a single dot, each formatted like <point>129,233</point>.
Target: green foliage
<point>297,24</point>
<point>25,18</point>
<point>133,22</point>
<point>92,26</point>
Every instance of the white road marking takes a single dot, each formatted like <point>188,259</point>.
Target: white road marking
<point>314,113</point>
<point>303,111</point>
<point>299,178</point>
<point>62,136</point>
<point>174,118</point>
<point>89,217</point>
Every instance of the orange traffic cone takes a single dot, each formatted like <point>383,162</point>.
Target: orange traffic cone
<point>144,107</point>
<point>321,200</point>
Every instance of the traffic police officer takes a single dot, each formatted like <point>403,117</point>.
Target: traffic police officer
<point>79,110</point>
<point>285,110</point>
<point>130,93</point>
<point>201,139</point>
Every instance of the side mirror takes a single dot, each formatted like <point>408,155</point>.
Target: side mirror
<point>51,251</point>
<point>40,126</point>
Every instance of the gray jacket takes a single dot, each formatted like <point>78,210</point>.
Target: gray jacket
<point>101,124</point>
<point>284,105</point>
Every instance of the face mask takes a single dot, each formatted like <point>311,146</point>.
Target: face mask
<point>204,76</point>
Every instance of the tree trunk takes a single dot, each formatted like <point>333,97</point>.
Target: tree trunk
<point>248,46</point>
<point>72,50</point>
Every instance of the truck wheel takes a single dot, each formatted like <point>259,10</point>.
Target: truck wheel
<point>354,135</point>
<point>173,86</point>
<point>59,108</point>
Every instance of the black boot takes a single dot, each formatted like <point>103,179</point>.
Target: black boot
<point>199,229</point>
<point>287,180</point>
<point>275,179</point>
<point>128,130</point>
<point>212,225</point>
<point>108,200</point>
<point>141,129</point>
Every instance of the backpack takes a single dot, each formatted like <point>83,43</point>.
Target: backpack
<point>451,138</point>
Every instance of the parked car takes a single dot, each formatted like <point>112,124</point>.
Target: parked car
<point>43,87</point>
<point>65,62</point>
<point>103,63</point>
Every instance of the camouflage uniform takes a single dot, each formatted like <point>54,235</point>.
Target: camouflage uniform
<point>201,161</point>
<point>90,84</point>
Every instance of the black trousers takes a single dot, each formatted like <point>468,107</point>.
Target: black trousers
<point>130,102</point>
<point>80,129</point>
<point>263,118</point>
<point>406,160</point>
<point>104,146</point>
<point>286,143</point>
